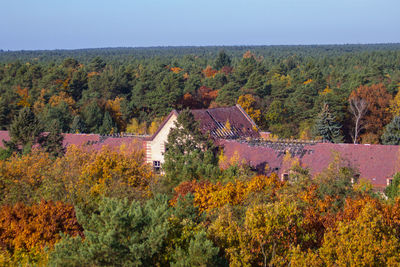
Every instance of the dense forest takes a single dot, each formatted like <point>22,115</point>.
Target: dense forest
<point>88,206</point>
<point>291,91</point>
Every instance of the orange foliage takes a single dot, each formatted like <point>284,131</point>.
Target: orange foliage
<point>93,73</point>
<point>24,96</point>
<point>378,100</point>
<point>187,187</point>
<point>176,69</point>
<point>209,72</point>
<point>28,227</point>
<point>207,95</point>
<point>248,54</point>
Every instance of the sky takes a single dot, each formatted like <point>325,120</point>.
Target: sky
<point>73,24</point>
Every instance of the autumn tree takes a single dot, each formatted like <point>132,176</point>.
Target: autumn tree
<point>248,103</point>
<point>378,101</point>
<point>366,240</point>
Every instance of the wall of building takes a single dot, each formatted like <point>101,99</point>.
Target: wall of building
<point>155,148</point>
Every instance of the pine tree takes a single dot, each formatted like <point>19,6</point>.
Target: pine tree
<point>222,60</point>
<point>327,127</point>
<point>78,125</point>
<point>189,154</point>
<point>53,141</point>
<point>119,233</point>
<point>93,117</point>
<point>391,136</point>
<point>108,125</point>
<point>24,131</point>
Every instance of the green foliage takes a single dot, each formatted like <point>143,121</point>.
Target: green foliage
<point>24,131</point>
<point>118,234</point>
<point>393,189</point>
<point>200,252</point>
<point>327,127</point>
<point>391,136</point>
<point>189,154</point>
<point>222,60</point>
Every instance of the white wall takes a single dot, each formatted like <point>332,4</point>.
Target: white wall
<point>156,148</point>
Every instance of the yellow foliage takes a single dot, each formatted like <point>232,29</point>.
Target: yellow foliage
<point>96,172</point>
<point>114,108</point>
<point>136,128</point>
<point>326,91</point>
<point>216,195</point>
<point>395,104</point>
<point>154,125</point>
<point>248,103</point>
<point>365,241</point>
<point>24,97</point>
<point>25,171</point>
<point>55,100</point>
<point>308,81</point>
<point>40,102</point>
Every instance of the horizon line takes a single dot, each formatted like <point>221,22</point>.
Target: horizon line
<point>192,46</point>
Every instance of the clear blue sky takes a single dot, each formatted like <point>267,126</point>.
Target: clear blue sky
<point>70,24</point>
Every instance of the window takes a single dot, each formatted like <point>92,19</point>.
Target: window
<point>156,165</point>
<point>389,181</point>
<point>285,177</point>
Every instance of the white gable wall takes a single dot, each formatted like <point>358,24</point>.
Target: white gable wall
<point>155,148</point>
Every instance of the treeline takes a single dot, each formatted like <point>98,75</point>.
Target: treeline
<point>338,92</point>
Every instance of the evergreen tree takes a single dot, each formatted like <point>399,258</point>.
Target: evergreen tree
<point>119,233</point>
<point>24,131</point>
<point>391,136</point>
<point>108,125</point>
<point>97,64</point>
<point>200,252</point>
<point>189,154</point>
<point>53,141</point>
<point>60,113</point>
<point>327,127</point>
<point>222,60</point>
<point>93,117</point>
<point>78,125</point>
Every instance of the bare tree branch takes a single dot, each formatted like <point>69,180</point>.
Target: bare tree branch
<point>358,108</point>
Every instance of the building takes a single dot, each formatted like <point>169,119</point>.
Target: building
<point>235,132</point>
<point>220,123</point>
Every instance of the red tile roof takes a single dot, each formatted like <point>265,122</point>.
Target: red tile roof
<point>375,163</point>
<point>95,140</point>
<point>214,120</point>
